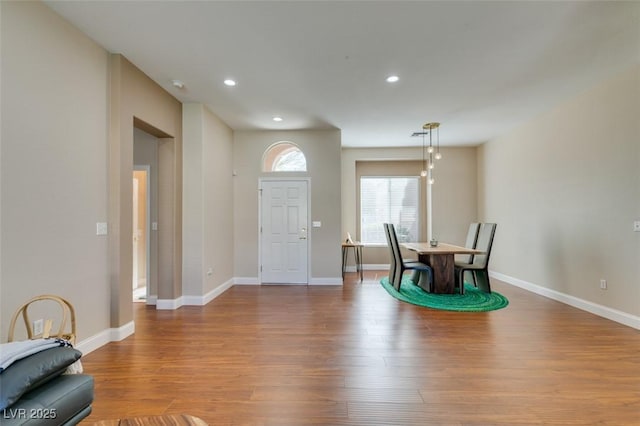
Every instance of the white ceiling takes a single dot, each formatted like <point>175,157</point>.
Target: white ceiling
<point>480,68</point>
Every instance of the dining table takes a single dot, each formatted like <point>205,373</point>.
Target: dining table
<point>441,258</point>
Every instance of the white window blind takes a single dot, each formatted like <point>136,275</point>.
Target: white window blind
<point>389,200</point>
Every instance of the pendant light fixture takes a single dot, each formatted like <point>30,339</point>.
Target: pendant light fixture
<point>430,152</point>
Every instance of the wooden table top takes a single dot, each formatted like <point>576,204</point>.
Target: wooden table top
<point>441,248</point>
<point>353,244</point>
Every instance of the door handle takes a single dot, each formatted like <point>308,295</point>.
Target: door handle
<point>303,234</point>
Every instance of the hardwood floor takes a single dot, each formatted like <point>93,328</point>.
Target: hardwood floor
<point>353,355</point>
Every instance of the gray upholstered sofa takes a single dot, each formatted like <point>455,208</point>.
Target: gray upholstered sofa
<point>36,389</point>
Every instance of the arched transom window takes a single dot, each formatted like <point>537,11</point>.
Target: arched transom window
<point>284,157</point>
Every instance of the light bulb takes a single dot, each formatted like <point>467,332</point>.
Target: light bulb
<point>423,173</point>
<point>431,165</point>
<point>432,181</point>
<point>438,155</point>
<point>430,149</point>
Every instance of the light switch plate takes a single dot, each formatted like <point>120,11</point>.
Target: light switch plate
<point>101,228</point>
<point>317,224</point>
<point>154,226</point>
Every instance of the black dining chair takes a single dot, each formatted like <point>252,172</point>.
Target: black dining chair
<point>422,275</point>
<point>480,265</point>
<point>392,257</point>
<point>462,260</point>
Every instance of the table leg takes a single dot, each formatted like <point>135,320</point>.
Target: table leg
<point>359,260</point>
<point>344,260</point>
<point>444,280</point>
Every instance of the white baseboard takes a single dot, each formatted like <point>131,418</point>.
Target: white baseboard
<point>245,281</point>
<point>106,336</point>
<point>369,267</point>
<point>602,311</point>
<point>313,281</point>
<point>376,267</point>
<point>169,304</point>
<point>203,300</point>
<point>326,281</point>
<point>187,300</point>
<point>152,299</point>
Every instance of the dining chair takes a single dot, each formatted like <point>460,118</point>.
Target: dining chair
<point>422,273</point>
<point>480,265</point>
<point>462,260</point>
<point>472,239</point>
<point>392,257</point>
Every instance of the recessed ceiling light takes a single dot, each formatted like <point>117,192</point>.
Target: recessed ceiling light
<point>392,79</point>
<point>230,82</point>
<point>177,83</point>
<point>277,118</point>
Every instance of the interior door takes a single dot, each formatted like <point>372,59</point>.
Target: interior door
<point>284,232</point>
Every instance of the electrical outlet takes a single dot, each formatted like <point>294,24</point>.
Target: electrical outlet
<point>636,226</point>
<point>38,327</point>
<point>603,284</point>
<point>210,271</point>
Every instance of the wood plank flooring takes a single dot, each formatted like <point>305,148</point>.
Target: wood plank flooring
<point>353,355</point>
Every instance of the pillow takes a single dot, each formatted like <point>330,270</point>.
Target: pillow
<point>33,371</point>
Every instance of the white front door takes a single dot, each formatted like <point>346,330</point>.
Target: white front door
<point>284,231</point>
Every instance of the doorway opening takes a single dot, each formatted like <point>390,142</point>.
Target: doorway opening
<point>141,233</point>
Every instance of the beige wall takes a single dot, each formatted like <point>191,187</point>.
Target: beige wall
<point>565,190</point>
<point>136,100</point>
<point>454,196</point>
<point>322,150</point>
<point>54,173</point>
<point>69,111</point>
<point>207,201</point>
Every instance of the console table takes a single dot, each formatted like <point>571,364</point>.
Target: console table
<point>357,254</point>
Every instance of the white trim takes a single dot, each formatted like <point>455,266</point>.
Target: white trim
<point>376,267</point>
<point>602,311</point>
<point>369,267</point>
<point>169,304</point>
<point>326,281</point>
<point>246,281</point>
<point>203,300</point>
<point>106,336</point>
<point>152,299</point>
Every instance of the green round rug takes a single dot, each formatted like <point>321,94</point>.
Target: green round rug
<point>473,300</point>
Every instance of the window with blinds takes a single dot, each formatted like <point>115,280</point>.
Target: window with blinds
<point>389,200</point>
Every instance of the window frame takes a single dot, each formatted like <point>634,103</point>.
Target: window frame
<point>417,223</point>
<point>277,151</point>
